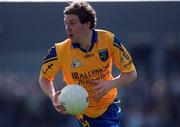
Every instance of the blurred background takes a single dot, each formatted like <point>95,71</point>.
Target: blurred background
<point>149,30</point>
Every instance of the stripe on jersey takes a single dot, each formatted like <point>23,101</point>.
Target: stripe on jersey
<point>118,44</point>
<point>51,55</point>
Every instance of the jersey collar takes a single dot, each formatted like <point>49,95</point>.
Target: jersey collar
<point>93,40</point>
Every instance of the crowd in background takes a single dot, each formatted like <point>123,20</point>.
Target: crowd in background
<point>153,100</point>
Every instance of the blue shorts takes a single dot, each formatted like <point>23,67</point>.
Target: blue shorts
<point>110,118</point>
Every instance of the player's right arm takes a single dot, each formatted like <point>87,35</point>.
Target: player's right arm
<point>48,71</point>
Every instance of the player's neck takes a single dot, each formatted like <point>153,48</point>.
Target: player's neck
<point>86,41</point>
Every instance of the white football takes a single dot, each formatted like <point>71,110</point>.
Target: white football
<point>74,98</point>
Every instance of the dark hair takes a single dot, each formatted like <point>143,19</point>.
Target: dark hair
<point>83,10</point>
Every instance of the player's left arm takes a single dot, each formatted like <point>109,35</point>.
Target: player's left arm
<point>124,63</point>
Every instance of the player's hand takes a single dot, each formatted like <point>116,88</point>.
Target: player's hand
<point>57,103</point>
<point>101,88</point>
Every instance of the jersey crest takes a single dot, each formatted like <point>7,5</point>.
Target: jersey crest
<point>103,54</point>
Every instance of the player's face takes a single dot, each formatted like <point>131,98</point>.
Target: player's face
<point>74,28</point>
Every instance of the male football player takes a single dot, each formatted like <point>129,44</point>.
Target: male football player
<point>86,58</point>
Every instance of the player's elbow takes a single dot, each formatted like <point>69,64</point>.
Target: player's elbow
<point>41,80</point>
<point>133,75</point>
<point>44,81</point>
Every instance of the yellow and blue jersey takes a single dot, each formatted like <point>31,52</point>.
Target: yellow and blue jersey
<point>81,66</point>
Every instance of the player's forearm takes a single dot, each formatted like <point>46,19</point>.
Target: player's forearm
<point>124,79</point>
<point>47,87</point>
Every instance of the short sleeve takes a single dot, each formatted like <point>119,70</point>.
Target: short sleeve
<point>50,66</point>
<point>121,57</point>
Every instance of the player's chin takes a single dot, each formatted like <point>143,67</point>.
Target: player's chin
<point>71,39</point>
<point>70,36</point>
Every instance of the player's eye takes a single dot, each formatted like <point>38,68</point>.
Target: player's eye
<point>69,23</point>
<point>72,23</point>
